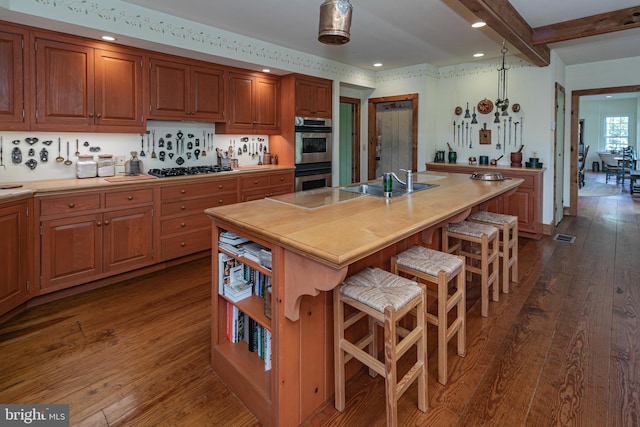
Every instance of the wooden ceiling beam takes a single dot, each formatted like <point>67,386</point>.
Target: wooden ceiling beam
<point>602,23</point>
<point>505,20</point>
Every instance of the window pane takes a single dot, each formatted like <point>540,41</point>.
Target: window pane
<point>616,132</point>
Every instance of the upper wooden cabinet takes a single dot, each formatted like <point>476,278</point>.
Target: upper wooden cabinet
<point>12,82</point>
<point>253,104</point>
<point>185,90</point>
<point>313,97</point>
<point>80,87</point>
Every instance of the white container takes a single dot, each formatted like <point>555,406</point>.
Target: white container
<point>106,165</point>
<point>86,167</point>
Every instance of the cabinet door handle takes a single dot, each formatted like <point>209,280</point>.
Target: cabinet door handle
<point>98,115</point>
<point>220,186</point>
<point>183,224</point>
<point>130,198</point>
<point>220,201</point>
<point>183,191</point>
<point>183,207</point>
<point>91,115</point>
<point>72,205</point>
<point>106,223</point>
<point>255,182</point>
<point>99,223</point>
<point>183,244</point>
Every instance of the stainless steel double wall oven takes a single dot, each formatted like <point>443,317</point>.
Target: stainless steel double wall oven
<point>313,153</point>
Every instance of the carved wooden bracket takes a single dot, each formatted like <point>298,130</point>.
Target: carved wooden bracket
<point>304,276</point>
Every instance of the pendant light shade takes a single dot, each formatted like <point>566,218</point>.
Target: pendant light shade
<point>335,22</point>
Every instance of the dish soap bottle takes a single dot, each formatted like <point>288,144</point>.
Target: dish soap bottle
<point>133,166</point>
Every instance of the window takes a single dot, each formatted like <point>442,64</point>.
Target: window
<point>616,133</point>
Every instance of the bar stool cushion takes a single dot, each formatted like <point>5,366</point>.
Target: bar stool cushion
<point>473,229</point>
<point>493,218</point>
<point>429,261</point>
<point>379,289</point>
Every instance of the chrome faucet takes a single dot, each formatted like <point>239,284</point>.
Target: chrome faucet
<point>408,183</point>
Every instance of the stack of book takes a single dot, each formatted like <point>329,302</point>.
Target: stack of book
<point>241,327</point>
<point>232,243</point>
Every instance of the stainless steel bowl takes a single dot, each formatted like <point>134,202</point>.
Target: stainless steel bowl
<point>488,176</point>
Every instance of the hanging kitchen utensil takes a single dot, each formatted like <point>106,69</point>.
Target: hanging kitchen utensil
<point>169,145</point>
<point>77,153</point>
<point>197,142</point>
<point>31,141</point>
<point>244,148</point>
<point>498,145</point>
<point>44,155</point>
<point>179,160</point>
<point>31,152</point>
<point>521,122</point>
<point>188,155</point>
<point>153,150</point>
<point>47,142</point>
<point>466,112</point>
<point>86,143</point>
<point>170,155</point>
<point>15,142</point>
<point>458,134</point>
<point>196,153</point>
<point>470,137</point>
<point>463,140</point>
<point>454,134</point>
<point>485,135</point>
<point>161,156</point>
<point>68,162</point>
<point>16,156</point>
<point>59,158</point>
<point>467,132</point>
<point>515,132</point>
<point>474,121</point>
<point>189,145</point>
<point>31,164</point>
<point>1,153</point>
<point>514,142</point>
<point>161,142</point>
<point>142,153</point>
<point>504,137</point>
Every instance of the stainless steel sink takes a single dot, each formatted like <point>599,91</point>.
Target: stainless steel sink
<point>374,188</point>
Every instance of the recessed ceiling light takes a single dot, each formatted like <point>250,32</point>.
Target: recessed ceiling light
<point>609,96</point>
<point>478,55</point>
<point>108,38</point>
<point>478,24</point>
<point>266,70</point>
<point>378,64</point>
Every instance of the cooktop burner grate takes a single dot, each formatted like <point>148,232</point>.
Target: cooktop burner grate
<point>187,171</point>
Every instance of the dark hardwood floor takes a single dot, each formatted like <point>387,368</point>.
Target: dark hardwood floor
<point>562,349</point>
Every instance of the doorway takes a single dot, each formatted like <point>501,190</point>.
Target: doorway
<point>558,176</point>
<point>349,134</point>
<point>393,134</point>
<point>575,117</point>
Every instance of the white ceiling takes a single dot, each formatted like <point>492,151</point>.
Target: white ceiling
<point>402,32</point>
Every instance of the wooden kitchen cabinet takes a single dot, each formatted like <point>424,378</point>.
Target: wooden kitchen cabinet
<point>82,87</point>
<point>259,186</point>
<point>184,228</point>
<point>313,97</point>
<point>181,89</point>
<point>253,104</point>
<point>14,90</point>
<point>15,229</point>
<point>525,203</point>
<point>87,236</point>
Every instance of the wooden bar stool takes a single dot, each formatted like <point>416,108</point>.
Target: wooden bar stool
<point>385,298</point>
<point>482,247</point>
<point>507,225</point>
<point>428,266</point>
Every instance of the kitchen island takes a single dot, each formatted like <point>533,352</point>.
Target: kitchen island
<point>316,239</point>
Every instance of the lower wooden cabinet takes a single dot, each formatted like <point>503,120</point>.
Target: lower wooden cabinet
<point>259,186</point>
<point>15,260</point>
<point>79,249</point>
<point>525,203</point>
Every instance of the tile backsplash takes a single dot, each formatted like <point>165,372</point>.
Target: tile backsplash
<point>195,136</point>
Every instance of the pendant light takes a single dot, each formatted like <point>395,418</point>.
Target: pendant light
<point>335,22</point>
<point>502,103</point>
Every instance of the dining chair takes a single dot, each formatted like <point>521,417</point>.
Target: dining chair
<point>581,164</point>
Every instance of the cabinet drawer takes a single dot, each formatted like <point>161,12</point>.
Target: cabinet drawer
<point>173,247</point>
<point>69,204</point>
<point>207,188</point>
<point>256,181</point>
<point>129,198</point>
<point>185,224</point>
<point>188,207</point>
<point>281,179</point>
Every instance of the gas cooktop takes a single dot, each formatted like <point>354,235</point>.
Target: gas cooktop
<point>186,171</point>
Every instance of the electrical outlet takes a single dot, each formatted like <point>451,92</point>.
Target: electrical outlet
<point>118,160</point>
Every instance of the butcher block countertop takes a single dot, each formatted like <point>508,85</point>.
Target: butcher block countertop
<point>337,228</point>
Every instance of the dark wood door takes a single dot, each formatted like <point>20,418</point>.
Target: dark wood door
<point>241,95</point>
<point>13,262</point>
<point>12,87</point>
<point>168,89</point>
<point>207,93</point>
<point>128,239</point>
<point>71,251</point>
<point>64,85</point>
<point>118,89</point>
<point>267,104</point>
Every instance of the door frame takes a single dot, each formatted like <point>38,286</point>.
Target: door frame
<point>372,126</point>
<point>575,116</point>
<point>355,136</point>
<point>558,154</point>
